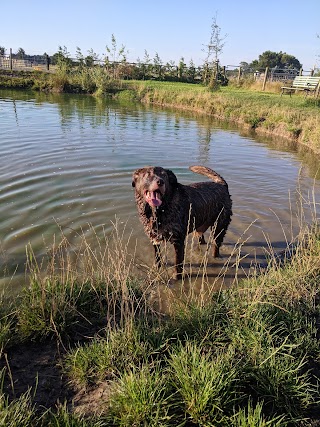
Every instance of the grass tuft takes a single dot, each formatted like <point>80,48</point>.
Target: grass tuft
<point>206,385</point>
<point>106,358</point>
<point>141,398</point>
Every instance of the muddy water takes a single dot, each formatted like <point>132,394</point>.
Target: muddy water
<point>66,164</point>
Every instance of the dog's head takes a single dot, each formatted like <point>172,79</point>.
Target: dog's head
<point>154,184</point>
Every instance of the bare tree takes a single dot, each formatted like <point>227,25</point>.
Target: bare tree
<point>117,58</point>
<point>215,47</point>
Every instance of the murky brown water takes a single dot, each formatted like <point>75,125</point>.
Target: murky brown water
<point>66,162</point>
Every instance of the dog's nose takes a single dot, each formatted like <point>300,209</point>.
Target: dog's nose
<point>160,182</point>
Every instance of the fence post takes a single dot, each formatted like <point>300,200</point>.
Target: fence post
<point>10,59</point>
<point>239,75</point>
<point>47,61</point>
<point>217,70</point>
<point>265,78</point>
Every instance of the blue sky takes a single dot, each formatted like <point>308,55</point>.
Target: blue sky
<point>173,29</point>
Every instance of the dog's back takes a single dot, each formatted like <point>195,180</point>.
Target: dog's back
<point>210,200</point>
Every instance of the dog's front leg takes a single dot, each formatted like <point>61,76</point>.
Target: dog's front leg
<point>179,249</point>
<point>157,255</point>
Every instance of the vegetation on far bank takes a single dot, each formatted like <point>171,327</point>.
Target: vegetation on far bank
<point>243,356</point>
<point>295,118</point>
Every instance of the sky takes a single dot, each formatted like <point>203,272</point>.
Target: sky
<point>170,28</point>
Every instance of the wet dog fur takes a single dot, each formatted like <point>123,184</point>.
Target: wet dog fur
<point>169,210</point>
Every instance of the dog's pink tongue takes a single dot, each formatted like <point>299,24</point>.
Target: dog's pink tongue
<point>154,199</point>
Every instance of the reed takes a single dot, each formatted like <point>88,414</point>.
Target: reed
<point>244,354</point>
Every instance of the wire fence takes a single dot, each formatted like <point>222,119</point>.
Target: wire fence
<point>153,71</point>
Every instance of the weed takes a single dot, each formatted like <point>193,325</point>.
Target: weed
<point>106,358</point>
<point>207,386</point>
<point>141,398</point>
<point>18,413</point>
<point>253,416</point>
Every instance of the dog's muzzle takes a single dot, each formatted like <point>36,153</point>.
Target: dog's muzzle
<point>153,198</point>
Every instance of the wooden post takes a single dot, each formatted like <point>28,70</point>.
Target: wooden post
<point>10,59</point>
<point>265,78</point>
<point>217,70</point>
<point>47,61</point>
<point>239,74</point>
<point>300,72</point>
<point>206,73</point>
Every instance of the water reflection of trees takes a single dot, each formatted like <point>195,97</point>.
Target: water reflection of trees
<point>95,112</point>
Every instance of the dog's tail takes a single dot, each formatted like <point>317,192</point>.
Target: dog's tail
<point>203,170</point>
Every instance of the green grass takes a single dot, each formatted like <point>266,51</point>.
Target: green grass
<point>21,412</point>
<point>141,398</point>
<point>207,386</point>
<point>106,358</point>
<point>248,355</point>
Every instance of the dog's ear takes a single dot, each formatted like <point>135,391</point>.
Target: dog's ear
<point>172,178</point>
<point>134,178</point>
<point>136,174</point>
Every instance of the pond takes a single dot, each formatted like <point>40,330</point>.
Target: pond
<point>66,167</point>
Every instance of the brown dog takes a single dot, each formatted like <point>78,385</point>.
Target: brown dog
<point>169,210</point>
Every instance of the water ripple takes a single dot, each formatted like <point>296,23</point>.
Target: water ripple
<point>67,161</point>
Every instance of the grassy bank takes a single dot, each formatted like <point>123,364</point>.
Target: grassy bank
<point>248,356</point>
<point>296,118</point>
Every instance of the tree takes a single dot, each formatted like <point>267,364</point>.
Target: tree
<point>147,66</point>
<point>62,58</point>
<point>276,59</point>
<point>244,66</point>
<point>21,53</point>
<point>117,54</point>
<point>191,71</point>
<point>268,59</point>
<point>181,67</point>
<point>2,50</point>
<point>79,56</point>
<point>216,42</point>
<point>214,48</point>
<point>91,58</point>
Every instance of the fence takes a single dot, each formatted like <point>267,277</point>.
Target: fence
<point>28,62</point>
<point>167,72</point>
